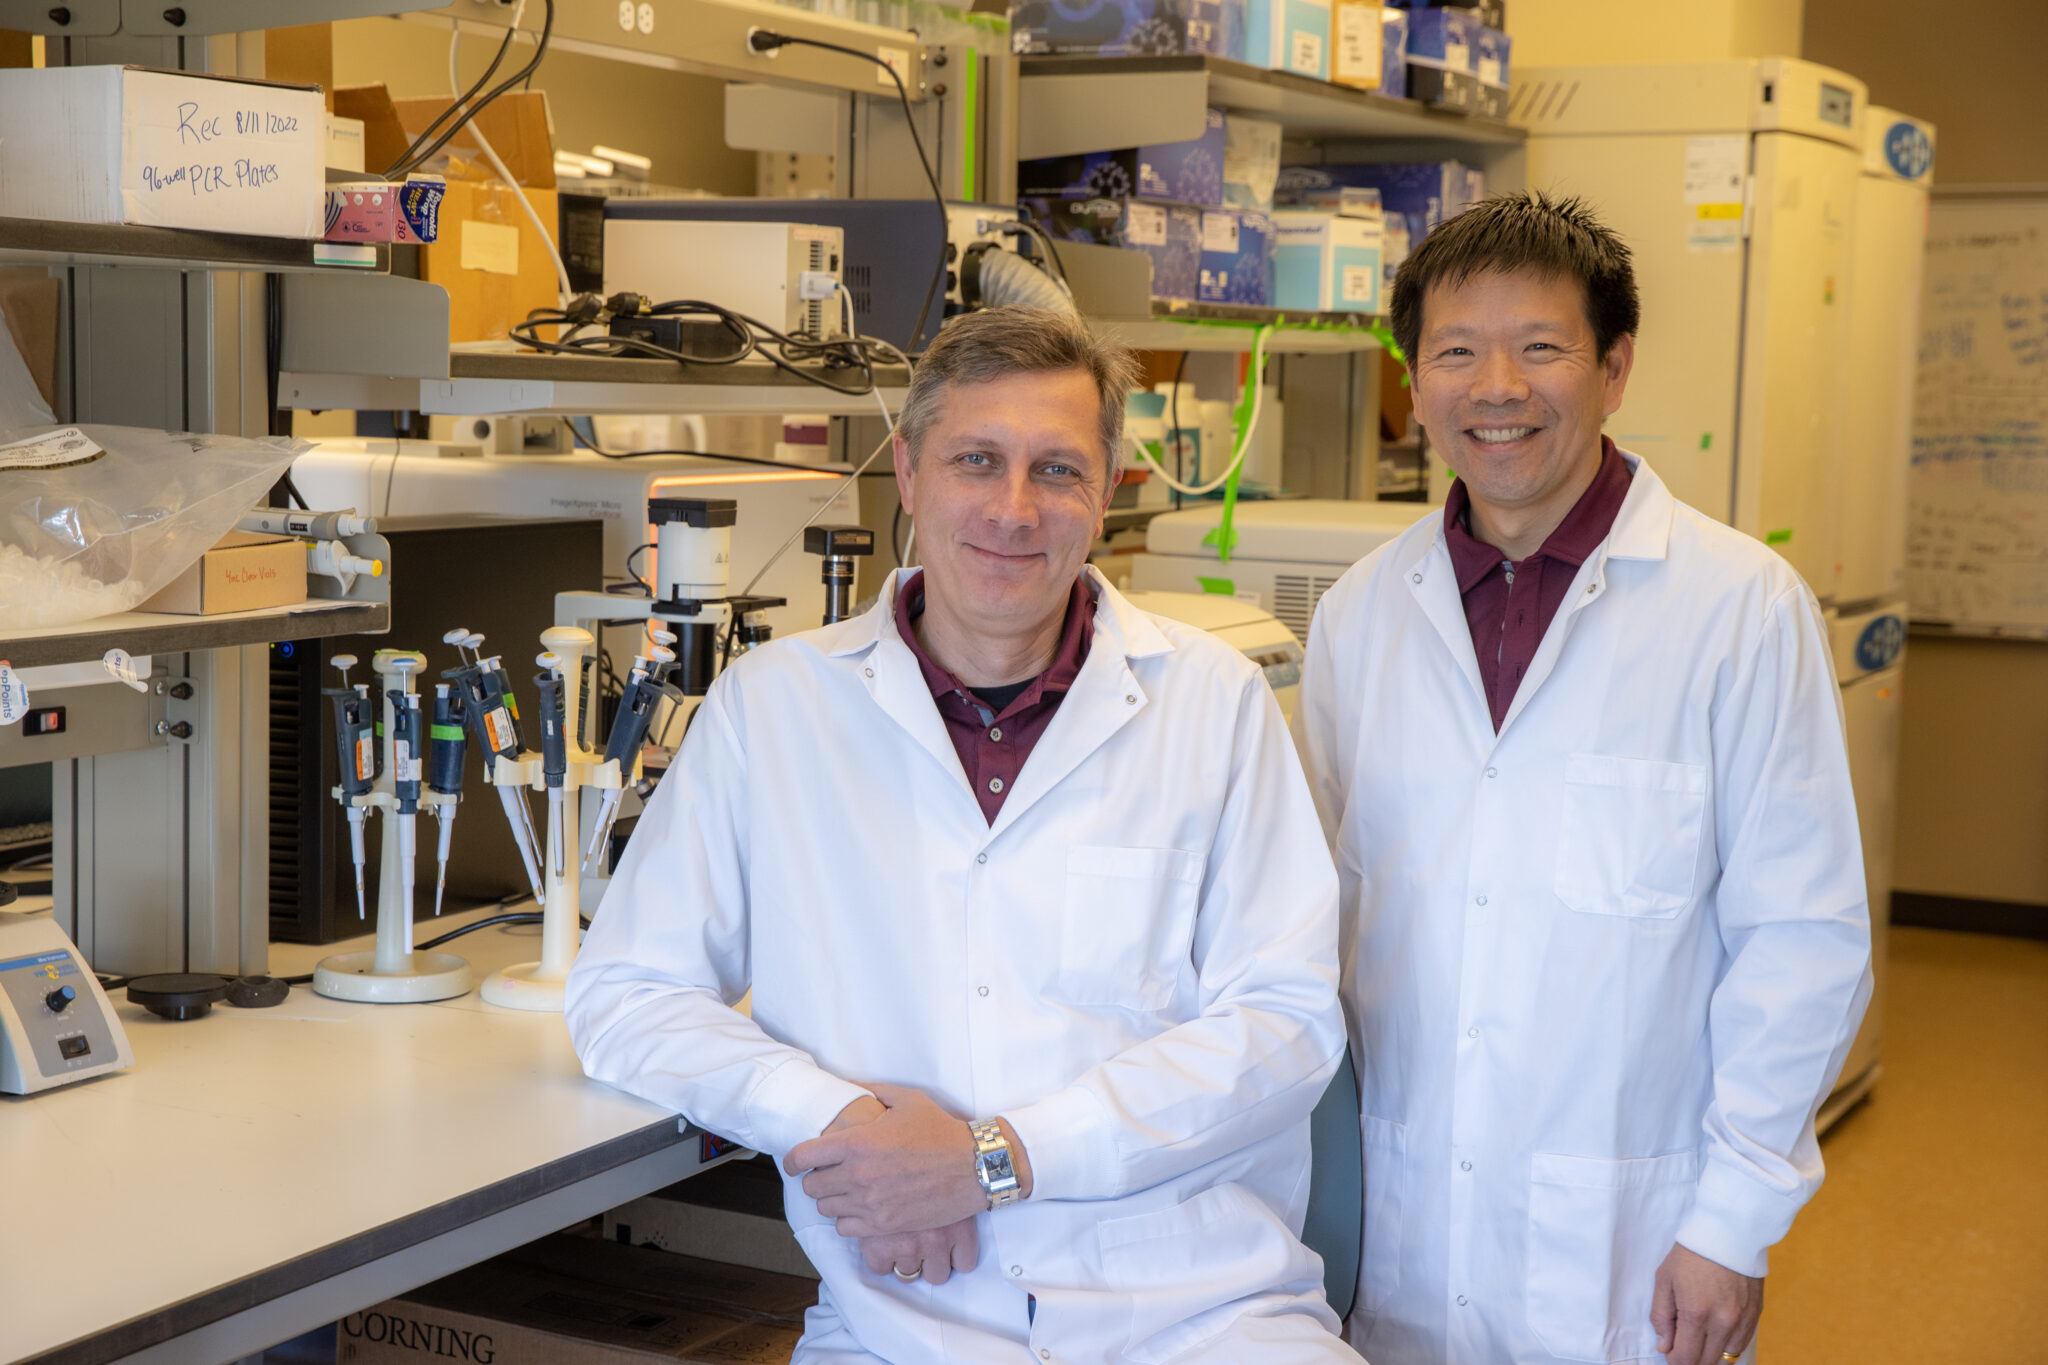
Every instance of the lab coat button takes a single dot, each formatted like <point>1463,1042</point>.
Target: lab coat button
<point>1464,1165</point>
<point>981,857</point>
<point>1130,699</point>
<point>1044,1354</point>
<point>1479,900</point>
<point>1471,1033</point>
<point>981,990</point>
<point>1461,1300</point>
<point>1493,772</point>
<point>869,672</point>
<point>1016,1270</point>
<point>1415,578</point>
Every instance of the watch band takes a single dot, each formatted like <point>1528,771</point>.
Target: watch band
<point>992,1165</point>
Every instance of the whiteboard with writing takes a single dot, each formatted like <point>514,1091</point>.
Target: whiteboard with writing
<point>1977,544</point>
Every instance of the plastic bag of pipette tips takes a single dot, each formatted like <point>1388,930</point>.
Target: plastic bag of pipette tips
<point>95,519</point>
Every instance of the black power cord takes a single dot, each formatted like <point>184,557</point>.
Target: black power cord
<point>767,40</point>
<point>416,155</point>
<point>1180,368</point>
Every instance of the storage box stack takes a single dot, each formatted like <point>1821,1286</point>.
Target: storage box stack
<point>1129,28</point>
<point>1369,47</point>
<point>1457,54</point>
<point>1325,262</point>
<point>1237,258</point>
<point>1148,199</point>
<point>1423,195</point>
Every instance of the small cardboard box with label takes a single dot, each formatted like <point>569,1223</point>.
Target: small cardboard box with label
<point>127,144</point>
<point>1237,258</point>
<point>1170,234</point>
<point>1325,263</point>
<point>1358,48</point>
<point>576,1301</point>
<point>1189,172</point>
<point>1289,35</point>
<point>488,257</point>
<point>242,572</point>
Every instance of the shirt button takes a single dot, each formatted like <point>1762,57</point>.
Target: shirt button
<point>981,857</point>
<point>1415,578</point>
<point>1044,1354</point>
<point>1461,1300</point>
<point>1463,1165</point>
<point>981,990</point>
<point>996,734</point>
<point>1471,1033</point>
<point>869,671</point>
<point>1016,1270</point>
<point>1130,699</point>
<point>1479,900</point>
<point>1493,772</point>
<point>995,784</point>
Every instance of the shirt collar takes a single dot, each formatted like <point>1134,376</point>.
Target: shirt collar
<point>1068,656</point>
<point>1575,538</point>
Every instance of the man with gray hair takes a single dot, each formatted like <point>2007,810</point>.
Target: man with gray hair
<point>1030,896</point>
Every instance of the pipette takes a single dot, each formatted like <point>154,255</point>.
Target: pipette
<point>491,712</point>
<point>644,691</point>
<point>405,771</point>
<point>355,740</point>
<point>554,750</point>
<point>444,775</point>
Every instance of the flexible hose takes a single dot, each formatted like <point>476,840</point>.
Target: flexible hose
<point>1007,278</point>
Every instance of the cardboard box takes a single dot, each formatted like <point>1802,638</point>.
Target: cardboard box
<point>488,257</point>
<point>302,54</point>
<point>1445,39</point>
<point>1237,258</point>
<point>242,573</point>
<point>1426,194</point>
<point>28,309</point>
<point>576,1301</point>
<point>1170,234</point>
<point>1188,172</point>
<point>1358,56</point>
<point>344,143</point>
<point>1394,53</point>
<point>1251,162</point>
<point>1128,28</point>
<point>126,144</point>
<point>1326,263</point>
<point>1289,35</point>
<point>1492,53</point>
<point>1455,92</point>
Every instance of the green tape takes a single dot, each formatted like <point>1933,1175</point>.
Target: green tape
<point>1706,440</point>
<point>1778,537</point>
<point>444,732</point>
<point>970,101</point>
<point>1222,587</point>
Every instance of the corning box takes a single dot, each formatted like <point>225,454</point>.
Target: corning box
<point>1128,28</point>
<point>1289,35</point>
<point>127,144</point>
<point>1325,263</point>
<point>1424,194</point>
<point>1188,172</point>
<point>1171,234</point>
<point>1237,258</point>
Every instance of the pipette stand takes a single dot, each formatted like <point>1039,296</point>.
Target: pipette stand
<point>539,985</point>
<point>392,973</point>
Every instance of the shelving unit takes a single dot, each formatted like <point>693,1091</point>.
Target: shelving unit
<point>1227,329</point>
<point>32,241</point>
<point>1080,104</point>
<point>147,632</point>
<point>510,381</point>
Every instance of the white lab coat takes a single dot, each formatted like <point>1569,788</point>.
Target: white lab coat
<point>1600,969</point>
<point>1136,964</point>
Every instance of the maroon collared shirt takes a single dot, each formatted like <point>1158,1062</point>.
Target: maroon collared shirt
<point>994,742</point>
<point>1509,604</point>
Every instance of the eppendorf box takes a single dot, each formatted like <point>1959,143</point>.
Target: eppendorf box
<point>126,144</point>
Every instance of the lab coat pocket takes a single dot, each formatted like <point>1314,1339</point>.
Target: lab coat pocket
<point>1629,835</point>
<point>1385,1144</point>
<point>1185,1265</point>
<point>1126,924</point>
<point>1598,1230</point>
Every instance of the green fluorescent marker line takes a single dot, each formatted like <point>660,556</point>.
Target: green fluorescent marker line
<point>1222,587</point>
<point>1778,537</point>
<point>970,99</point>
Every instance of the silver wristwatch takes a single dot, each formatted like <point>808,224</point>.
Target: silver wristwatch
<point>992,1165</point>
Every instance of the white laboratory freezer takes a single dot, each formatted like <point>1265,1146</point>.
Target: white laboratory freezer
<point>1734,184</point>
<point>1869,649</point>
<point>1884,337</point>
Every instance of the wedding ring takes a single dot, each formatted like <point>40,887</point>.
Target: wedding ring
<point>907,1275</point>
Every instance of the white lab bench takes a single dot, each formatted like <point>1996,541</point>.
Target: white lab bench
<point>262,1172</point>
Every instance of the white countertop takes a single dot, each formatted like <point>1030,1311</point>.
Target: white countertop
<point>248,1139</point>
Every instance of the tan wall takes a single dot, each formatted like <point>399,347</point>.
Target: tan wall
<point>1573,32</point>
<point>1973,781</point>
<point>676,119</point>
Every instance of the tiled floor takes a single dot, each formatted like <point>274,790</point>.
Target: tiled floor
<point>1929,1242</point>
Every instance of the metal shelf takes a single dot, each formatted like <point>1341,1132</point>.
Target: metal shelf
<point>146,632</point>
<point>31,241</point>
<point>506,381</point>
<point>1085,104</point>
<point>1215,327</point>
